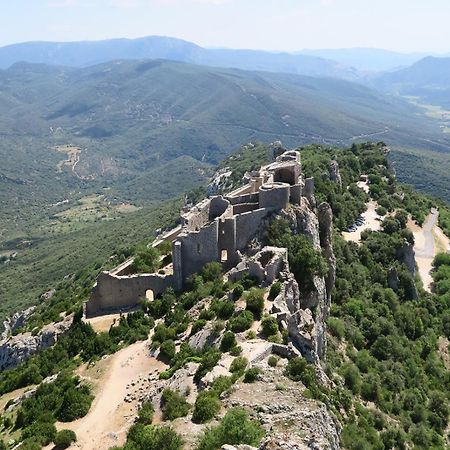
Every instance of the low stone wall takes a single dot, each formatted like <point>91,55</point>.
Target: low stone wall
<point>245,207</point>
<point>246,198</point>
<point>112,292</point>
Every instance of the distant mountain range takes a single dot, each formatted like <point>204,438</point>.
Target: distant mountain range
<point>346,63</point>
<point>87,53</point>
<point>367,59</point>
<point>428,79</point>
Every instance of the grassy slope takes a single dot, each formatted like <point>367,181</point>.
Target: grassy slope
<point>45,263</point>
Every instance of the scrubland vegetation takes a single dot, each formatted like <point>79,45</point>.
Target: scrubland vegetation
<point>390,386</point>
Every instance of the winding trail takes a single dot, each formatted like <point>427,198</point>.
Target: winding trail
<point>428,241</point>
<point>110,416</point>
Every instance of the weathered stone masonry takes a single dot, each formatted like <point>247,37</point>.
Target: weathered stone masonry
<point>217,229</point>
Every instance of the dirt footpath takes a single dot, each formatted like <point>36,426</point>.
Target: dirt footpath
<point>110,416</point>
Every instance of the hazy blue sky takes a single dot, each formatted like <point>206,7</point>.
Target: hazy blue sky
<point>407,25</point>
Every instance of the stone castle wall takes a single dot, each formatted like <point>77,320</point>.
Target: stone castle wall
<point>216,229</point>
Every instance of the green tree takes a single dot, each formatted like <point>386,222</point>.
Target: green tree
<point>64,439</point>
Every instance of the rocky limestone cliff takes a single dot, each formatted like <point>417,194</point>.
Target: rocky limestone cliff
<point>294,307</point>
<point>335,175</point>
<point>16,349</point>
<point>18,320</point>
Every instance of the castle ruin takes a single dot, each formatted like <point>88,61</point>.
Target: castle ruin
<point>218,228</point>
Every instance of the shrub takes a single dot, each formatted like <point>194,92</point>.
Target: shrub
<point>145,413</point>
<point>250,334</point>
<point>64,438</point>
<point>273,360</point>
<point>336,327</point>
<point>197,326</point>
<point>168,349</point>
<point>221,384</point>
<point>212,272</point>
<point>236,350</point>
<point>238,365</point>
<point>251,375</point>
<point>174,405</point>
<point>76,404</point>
<point>222,309</point>
<point>41,432</point>
<point>275,289</point>
<point>146,260</point>
<point>207,405</point>
<point>150,437</point>
<point>269,326</point>
<point>241,322</point>
<point>235,428</point>
<point>206,314</point>
<point>238,291</point>
<point>352,377</point>
<point>298,369</point>
<point>209,361</point>
<point>255,301</point>
<point>228,341</point>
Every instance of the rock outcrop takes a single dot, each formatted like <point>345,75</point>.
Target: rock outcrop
<point>335,175</point>
<point>293,306</point>
<point>16,349</point>
<point>18,320</point>
<point>290,420</point>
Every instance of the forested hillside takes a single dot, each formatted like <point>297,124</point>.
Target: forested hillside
<point>124,129</point>
<point>386,377</point>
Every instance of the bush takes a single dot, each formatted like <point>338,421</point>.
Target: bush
<point>336,327</point>
<point>64,438</point>
<point>41,432</point>
<point>241,322</point>
<point>269,326</point>
<point>212,272</point>
<point>174,405</point>
<point>76,404</point>
<point>146,260</point>
<point>222,309</point>
<point>150,437</point>
<point>207,405</point>
<point>168,349</point>
<point>228,341</point>
<point>255,302</point>
<point>234,429</point>
<point>238,365</point>
<point>238,291</point>
<point>251,375</point>
<point>236,350</point>
<point>209,361</point>
<point>197,326</point>
<point>298,369</point>
<point>250,335</point>
<point>145,413</point>
<point>221,384</point>
<point>273,360</point>
<point>275,289</point>
<point>352,377</point>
